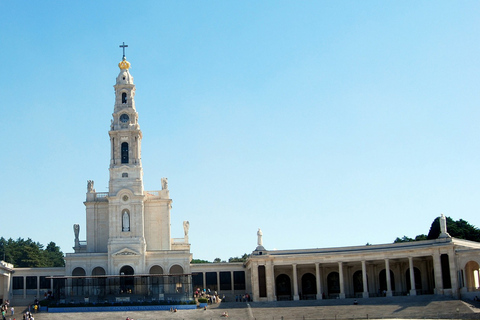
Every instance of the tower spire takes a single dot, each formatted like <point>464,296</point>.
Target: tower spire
<point>123,46</point>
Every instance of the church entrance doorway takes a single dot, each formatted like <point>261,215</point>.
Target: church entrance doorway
<point>126,280</point>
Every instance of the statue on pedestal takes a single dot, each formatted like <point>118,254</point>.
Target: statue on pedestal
<point>259,237</point>
<point>90,188</point>
<point>443,227</point>
<point>164,184</point>
<point>76,231</point>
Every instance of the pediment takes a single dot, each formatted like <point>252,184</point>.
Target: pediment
<point>126,252</point>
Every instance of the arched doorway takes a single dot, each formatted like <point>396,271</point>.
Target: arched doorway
<point>78,284</point>
<point>383,280</point>
<point>358,282</point>
<point>156,280</point>
<point>99,282</point>
<point>283,287</point>
<point>333,283</point>
<point>472,276</point>
<point>309,287</point>
<point>127,280</point>
<point>418,279</point>
<point>176,283</point>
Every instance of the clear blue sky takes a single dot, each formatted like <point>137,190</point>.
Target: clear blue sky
<point>324,123</point>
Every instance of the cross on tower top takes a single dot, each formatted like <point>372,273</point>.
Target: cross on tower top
<point>123,46</point>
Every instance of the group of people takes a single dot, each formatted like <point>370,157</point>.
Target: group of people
<point>27,316</point>
<point>243,298</point>
<point>206,293</point>
<point>5,308</point>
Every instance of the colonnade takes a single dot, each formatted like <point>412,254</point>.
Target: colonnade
<point>438,274</point>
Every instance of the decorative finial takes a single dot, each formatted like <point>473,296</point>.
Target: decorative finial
<point>123,46</point>
<point>124,64</point>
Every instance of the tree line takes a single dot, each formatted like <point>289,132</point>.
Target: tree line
<point>29,254</point>
<point>460,229</point>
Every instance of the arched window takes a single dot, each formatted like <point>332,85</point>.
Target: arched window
<point>124,97</point>
<point>124,152</point>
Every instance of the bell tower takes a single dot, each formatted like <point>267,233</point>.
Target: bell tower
<point>125,136</point>
<point>126,197</point>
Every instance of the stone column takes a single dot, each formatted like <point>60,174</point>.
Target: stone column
<point>255,282</point>
<point>413,291</point>
<point>453,273</point>
<point>218,282</point>
<point>232,280</point>
<point>389,281</point>
<point>437,271</point>
<point>295,283</point>
<point>269,279</point>
<point>38,288</point>
<point>364,279</point>
<point>24,287</point>
<point>342,286</point>
<point>319,283</point>
<point>204,280</point>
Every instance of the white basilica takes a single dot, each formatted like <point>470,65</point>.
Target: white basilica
<point>129,254</point>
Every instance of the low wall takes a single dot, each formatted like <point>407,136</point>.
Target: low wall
<point>123,308</point>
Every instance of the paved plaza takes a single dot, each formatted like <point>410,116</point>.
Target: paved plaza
<point>430,307</point>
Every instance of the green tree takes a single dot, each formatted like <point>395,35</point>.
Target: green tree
<point>239,259</point>
<point>199,261</point>
<point>53,256</point>
<point>29,254</point>
<point>459,229</point>
<point>403,239</point>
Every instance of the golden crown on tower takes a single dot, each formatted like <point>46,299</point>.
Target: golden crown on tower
<point>124,64</point>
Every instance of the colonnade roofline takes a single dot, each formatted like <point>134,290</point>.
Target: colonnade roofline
<point>364,249</point>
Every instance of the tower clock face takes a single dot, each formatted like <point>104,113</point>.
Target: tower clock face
<point>124,118</point>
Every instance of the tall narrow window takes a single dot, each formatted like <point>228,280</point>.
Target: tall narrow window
<point>124,152</point>
<point>124,97</point>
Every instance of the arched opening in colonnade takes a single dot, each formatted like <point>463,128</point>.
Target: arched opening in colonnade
<point>309,287</point>
<point>358,282</point>
<point>418,279</point>
<point>176,283</point>
<point>333,284</point>
<point>472,277</point>
<point>99,283</point>
<point>283,287</point>
<point>78,284</point>
<point>156,281</point>
<point>383,280</point>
